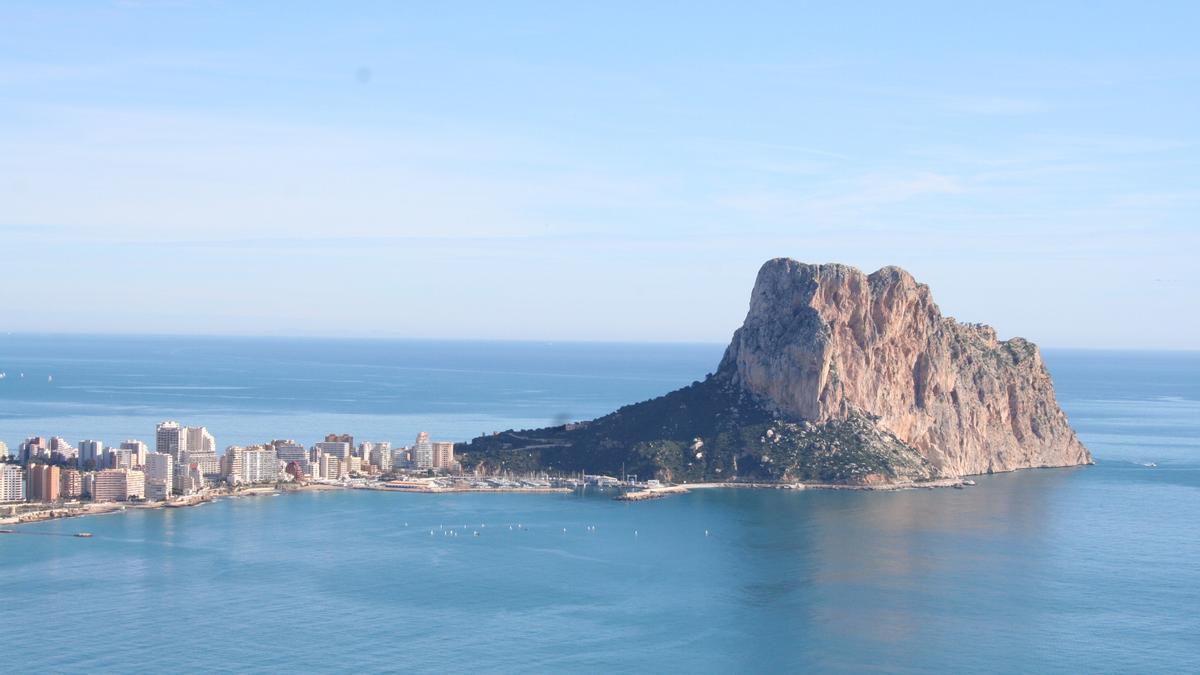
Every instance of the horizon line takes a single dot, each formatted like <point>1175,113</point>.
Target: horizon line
<point>403,338</point>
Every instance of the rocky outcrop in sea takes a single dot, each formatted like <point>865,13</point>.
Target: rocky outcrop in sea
<point>836,377</point>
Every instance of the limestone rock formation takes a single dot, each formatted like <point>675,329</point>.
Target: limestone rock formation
<point>823,342</point>
<point>836,377</point>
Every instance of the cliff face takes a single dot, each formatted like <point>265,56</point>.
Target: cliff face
<point>826,342</point>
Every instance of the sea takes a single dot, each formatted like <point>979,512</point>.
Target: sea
<point>1081,570</point>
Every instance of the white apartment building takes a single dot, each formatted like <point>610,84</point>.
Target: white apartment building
<point>160,475</point>
<point>118,485</point>
<point>332,468</point>
<point>12,483</point>
<point>259,465</point>
<point>423,451</point>
<point>378,453</point>
<point>338,449</point>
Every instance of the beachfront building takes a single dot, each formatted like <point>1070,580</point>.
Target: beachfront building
<point>12,483</point>
<point>43,483</point>
<point>119,485</point>
<point>331,467</point>
<point>188,479</point>
<point>260,464</point>
<point>71,486</point>
<point>231,464</point>
<point>202,451</point>
<point>443,455</point>
<point>160,473</point>
<point>423,451</point>
<point>91,455</point>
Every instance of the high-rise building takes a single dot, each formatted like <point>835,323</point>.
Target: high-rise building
<point>171,439</point>
<point>231,464</point>
<point>118,485</point>
<point>62,451</point>
<point>138,451</point>
<point>33,448</point>
<point>332,468</point>
<point>443,455</point>
<point>259,465</point>
<point>291,451</point>
<point>72,484</point>
<point>43,483</point>
<point>119,458</point>
<point>91,455</point>
<point>12,483</point>
<point>377,453</point>
<point>200,441</point>
<point>340,438</point>
<point>188,479</point>
<point>423,451</point>
<point>160,475</point>
<point>339,449</point>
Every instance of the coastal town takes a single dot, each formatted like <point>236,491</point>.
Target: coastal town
<point>51,478</point>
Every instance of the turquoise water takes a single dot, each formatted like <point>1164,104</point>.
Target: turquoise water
<point>1074,570</point>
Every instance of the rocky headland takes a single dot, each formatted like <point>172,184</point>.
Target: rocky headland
<point>836,377</point>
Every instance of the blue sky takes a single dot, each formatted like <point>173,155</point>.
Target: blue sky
<point>600,171</point>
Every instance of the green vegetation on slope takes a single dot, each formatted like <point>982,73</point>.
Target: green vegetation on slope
<point>707,431</point>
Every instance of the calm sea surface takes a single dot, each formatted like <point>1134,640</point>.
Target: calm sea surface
<point>1072,570</point>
